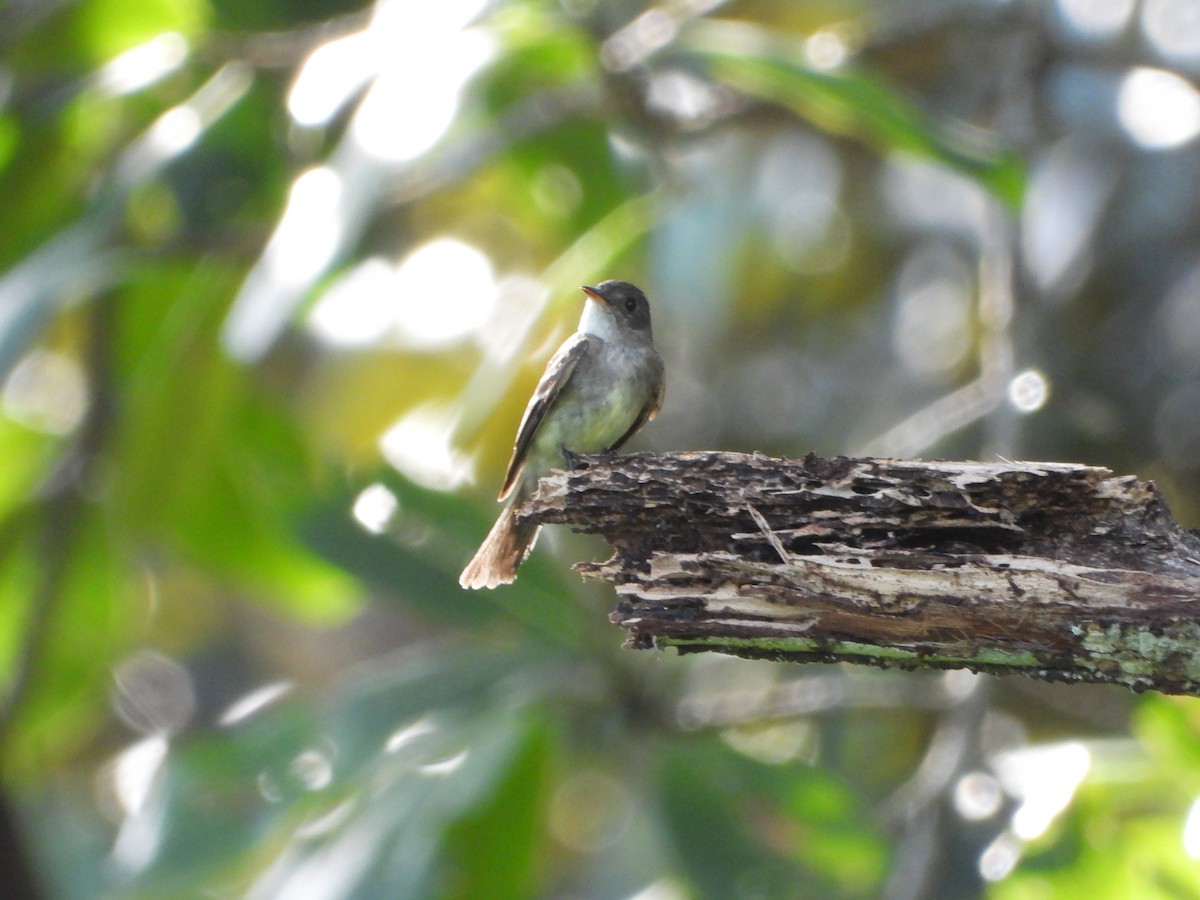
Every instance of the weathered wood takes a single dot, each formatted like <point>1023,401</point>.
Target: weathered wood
<point>1060,572</point>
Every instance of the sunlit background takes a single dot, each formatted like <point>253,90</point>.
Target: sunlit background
<point>276,280</point>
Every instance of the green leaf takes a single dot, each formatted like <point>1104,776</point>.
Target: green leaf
<point>835,840</point>
<point>19,579</point>
<point>89,600</point>
<point>741,826</point>
<point>1116,844</point>
<point>228,497</point>
<point>848,102</point>
<point>1169,728</point>
<point>109,27</point>
<point>10,139</point>
<point>26,454</point>
<point>539,49</point>
<point>710,810</point>
<point>356,789</point>
<point>490,852</point>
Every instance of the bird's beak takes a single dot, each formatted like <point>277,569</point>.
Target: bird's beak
<point>593,294</point>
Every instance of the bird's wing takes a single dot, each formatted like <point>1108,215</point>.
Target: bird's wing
<point>558,370</point>
<point>649,411</point>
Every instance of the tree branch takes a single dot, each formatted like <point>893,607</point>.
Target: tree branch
<point>1059,572</point>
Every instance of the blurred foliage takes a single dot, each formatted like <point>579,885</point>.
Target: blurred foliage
<point>275,283</point>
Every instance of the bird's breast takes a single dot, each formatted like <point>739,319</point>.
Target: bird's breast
<point>605,395</point>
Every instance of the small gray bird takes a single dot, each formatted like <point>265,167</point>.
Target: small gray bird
<point>604,383</point>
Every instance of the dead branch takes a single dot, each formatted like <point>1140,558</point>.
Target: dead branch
<point>1060,572</point>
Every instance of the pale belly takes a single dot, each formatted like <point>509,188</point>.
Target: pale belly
<point>603,399</point>
<point>590,422</point>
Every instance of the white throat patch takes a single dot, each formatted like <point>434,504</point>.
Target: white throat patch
<point>598,322</point>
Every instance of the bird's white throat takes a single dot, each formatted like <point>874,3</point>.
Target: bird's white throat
<point>599,322</point>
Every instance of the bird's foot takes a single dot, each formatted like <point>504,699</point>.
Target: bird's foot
<point>576,461</point>
<point>571,459</point>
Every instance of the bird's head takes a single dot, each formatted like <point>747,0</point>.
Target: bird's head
<point>615,307</point>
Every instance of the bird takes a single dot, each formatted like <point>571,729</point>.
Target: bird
<point>601,386</point>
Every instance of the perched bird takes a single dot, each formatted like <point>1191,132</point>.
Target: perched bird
<point>604,383</point>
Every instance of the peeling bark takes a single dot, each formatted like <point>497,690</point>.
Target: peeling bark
<point>1059,572</point>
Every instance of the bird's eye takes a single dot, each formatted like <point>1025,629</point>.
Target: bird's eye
<point>630,304</point>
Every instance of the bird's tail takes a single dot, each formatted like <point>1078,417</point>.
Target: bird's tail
<point>502,551</point>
